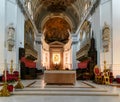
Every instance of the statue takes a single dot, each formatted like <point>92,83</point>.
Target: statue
<point>10,40</point>
<point>106,37</point>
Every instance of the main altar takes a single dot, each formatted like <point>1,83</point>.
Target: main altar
<point>60,77</point>
<point>58,64</point>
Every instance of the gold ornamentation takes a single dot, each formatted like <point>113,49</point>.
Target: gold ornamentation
<point>4,91</point>
<point>19,85</point>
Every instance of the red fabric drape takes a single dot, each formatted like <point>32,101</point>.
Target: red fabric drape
<point>83,64</point>
<point>28,63</point>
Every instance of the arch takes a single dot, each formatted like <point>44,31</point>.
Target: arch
<point>63,16</point>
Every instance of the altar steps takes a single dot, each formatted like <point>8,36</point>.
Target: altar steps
<point>64,91</point>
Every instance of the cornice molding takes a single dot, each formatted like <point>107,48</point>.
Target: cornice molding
<point>95,5</point>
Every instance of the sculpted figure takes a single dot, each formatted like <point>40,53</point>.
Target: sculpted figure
<point>10,40</point>
<point>106,37</point>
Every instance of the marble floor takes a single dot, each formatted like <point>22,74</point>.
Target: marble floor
<point>82,91</point>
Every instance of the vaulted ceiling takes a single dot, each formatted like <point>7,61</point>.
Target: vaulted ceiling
<point>69,12</point>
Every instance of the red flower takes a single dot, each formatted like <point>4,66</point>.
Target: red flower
<point>10,78</point>
<point>16,73</point>
<point>10,88</point>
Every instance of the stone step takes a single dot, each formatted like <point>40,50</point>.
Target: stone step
<point>62,93</point>
<point>63,89</point>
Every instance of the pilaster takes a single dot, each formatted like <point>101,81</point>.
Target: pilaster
<point>2,34</point>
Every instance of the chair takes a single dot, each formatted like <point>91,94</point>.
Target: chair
<point>106,78</point>
<point>118,79</point>
<point>98,75</point>
<point>111,76</point>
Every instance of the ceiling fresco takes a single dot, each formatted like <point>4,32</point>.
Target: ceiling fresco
<point>56,29</point>
<point>57,5</point>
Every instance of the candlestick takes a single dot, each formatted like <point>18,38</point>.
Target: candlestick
<point>19,69</point>
<point>19,84</point>
<point>4,91</point>
<point>11,68</point>
<point>5,74</point>
<point>104,62</point>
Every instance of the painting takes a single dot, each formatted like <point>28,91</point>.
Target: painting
<point>56,58</point>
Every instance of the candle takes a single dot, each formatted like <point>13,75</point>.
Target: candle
<point>5,61</point>
<point>5,75</point>
<point>19,68</point>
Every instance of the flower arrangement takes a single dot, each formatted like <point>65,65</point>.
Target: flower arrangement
<point>10,78</point>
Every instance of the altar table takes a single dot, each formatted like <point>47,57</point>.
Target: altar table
<point>60,77</point>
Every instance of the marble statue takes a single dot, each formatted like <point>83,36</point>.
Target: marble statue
<point>106,37</point>
<point>10,40</point>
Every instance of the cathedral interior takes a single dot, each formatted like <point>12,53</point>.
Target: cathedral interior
<point>51,46</point>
